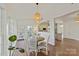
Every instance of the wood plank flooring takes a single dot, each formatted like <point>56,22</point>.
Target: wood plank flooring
<point>68,47</point>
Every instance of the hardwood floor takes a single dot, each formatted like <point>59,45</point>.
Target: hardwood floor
<point>68,47</point>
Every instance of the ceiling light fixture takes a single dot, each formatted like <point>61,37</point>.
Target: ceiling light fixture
<point>37,15</point>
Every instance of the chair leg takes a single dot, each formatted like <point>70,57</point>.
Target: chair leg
<point>46,51</point>
<point>28,53</point>
<point>36,53</point>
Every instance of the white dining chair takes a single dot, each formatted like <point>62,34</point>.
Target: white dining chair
<point>32,45</point>
<point>43,44</point>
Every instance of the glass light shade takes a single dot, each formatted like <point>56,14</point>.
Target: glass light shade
<point>37,17</point>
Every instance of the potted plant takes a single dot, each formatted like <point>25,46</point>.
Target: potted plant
<point>12,39</point>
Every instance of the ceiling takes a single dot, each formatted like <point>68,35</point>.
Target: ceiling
<point>47,10</point>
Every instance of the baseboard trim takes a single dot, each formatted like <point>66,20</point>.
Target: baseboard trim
<point>71,39</point>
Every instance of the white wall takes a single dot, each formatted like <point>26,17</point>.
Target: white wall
<point>0,31</point>
<point>71,29</point>
<point>59,28</point>
<point>4,39</point>
<point>21,23</point>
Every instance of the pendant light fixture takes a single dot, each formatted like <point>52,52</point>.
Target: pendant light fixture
<point>37,15</point>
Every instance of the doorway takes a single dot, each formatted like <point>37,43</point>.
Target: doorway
<point>58,28</point>
<point>58,25</point>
